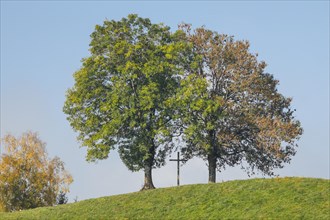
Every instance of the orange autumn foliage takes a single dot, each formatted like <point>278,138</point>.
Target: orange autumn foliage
<point>28,178</point>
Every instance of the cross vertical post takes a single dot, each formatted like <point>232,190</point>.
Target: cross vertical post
<point>178,167</point>
<point>178,176</point>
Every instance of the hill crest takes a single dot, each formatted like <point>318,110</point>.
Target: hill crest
<point>289,197</point>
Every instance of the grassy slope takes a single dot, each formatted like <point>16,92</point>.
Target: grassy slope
<point>280,198</point>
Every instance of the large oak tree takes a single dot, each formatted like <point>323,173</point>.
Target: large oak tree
<point>119,100</point>
<point>230,110</point>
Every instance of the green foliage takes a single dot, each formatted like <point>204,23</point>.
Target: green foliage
<point>279,198</point>
<point>142,86</point>
<point>120,93</point>
<point>28,178</point>
<point>230,109</point>
<point>61,198</point>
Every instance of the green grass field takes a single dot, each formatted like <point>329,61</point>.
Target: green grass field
<point>278,198</point>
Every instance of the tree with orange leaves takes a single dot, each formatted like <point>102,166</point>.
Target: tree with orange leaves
<point>28,178</point>
<point>229,109</point>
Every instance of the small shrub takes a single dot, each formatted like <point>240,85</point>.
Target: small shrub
<point>61,198</point>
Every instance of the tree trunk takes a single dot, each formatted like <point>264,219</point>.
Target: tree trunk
<point>212,167</point>
<point>148,184</point>
<point>148,163</point>
<point>212,159</point>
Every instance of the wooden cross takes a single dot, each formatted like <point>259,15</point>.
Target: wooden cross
<point>178,160</point>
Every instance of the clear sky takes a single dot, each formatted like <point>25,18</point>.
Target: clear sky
<point>42,44</point>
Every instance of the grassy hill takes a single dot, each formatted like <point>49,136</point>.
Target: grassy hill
<point>279,198</point>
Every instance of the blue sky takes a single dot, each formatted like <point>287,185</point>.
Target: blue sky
<point>42,44</point>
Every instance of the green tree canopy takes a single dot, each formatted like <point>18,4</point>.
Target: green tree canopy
<point>119,100</point>
<point>142,86</point>
<point>230,110</point>
<point>28,178</point>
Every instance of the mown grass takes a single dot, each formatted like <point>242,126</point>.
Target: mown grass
<point>278,198</point>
